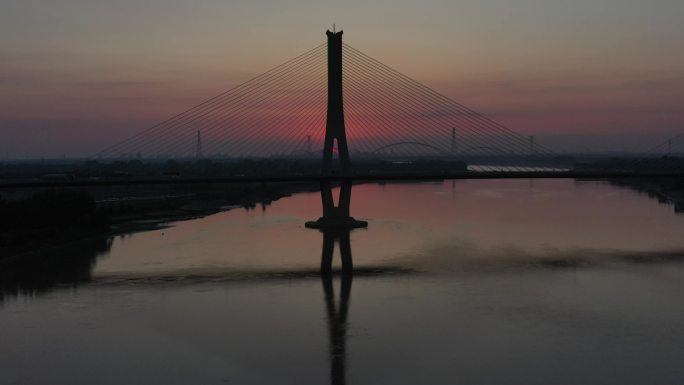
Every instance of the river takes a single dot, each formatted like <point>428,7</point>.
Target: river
<point>468,282</point>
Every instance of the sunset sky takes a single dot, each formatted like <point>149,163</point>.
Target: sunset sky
<point>79,75</point>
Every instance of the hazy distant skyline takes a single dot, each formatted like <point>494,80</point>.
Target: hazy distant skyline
<point>78,75</point>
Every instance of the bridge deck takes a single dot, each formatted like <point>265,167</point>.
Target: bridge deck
<point>40,183</point>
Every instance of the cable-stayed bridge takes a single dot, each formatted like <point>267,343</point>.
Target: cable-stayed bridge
<point>282,114</point>
<point>333,113</point>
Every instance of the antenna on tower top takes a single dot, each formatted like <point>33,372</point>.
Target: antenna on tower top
<point>334,28</point>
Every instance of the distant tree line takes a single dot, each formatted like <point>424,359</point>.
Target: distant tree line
<point>654,164</point>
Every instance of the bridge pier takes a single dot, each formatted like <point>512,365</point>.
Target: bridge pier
<point>336,225</point>
<point>336,216</point>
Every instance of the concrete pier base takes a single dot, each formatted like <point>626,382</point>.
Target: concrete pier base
<point>336,223</point>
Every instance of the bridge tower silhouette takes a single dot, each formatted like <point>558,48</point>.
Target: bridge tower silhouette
<point>334,127</point>
<point>336,221</point>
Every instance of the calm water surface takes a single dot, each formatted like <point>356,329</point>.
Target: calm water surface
<point>471,282</point>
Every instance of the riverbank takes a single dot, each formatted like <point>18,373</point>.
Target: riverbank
<point>156,211</point>
<point>666,190</point>
<point>128,210</point>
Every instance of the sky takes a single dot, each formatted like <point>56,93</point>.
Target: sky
<point>583,75</point>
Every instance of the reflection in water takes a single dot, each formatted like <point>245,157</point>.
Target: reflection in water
<point>336,224</point>
<point>341,237</point>
<point>73,265</point>
<point>37,274</point>
<point>549,320</point>
<point>336,215</point>
<point>337,325</point>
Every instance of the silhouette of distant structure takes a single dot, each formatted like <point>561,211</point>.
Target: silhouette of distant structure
<point>335,215</point>
<point>198,151</point>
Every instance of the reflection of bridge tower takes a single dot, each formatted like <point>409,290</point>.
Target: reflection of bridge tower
<point>337,313</point>
<point>334,128</point>
<point>335,216</point>
<point>339,235</point>
<point>337,325</point>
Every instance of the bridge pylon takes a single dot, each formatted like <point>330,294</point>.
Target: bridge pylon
<point>335,216</point>
<point>334,127</point>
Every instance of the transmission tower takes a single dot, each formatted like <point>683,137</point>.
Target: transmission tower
<point>198,150</point>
